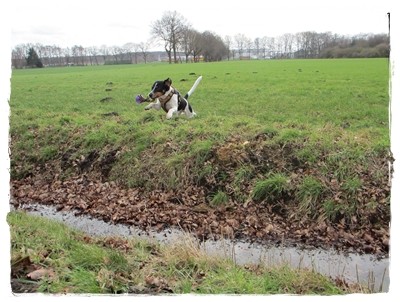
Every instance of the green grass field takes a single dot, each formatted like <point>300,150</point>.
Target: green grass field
<point>314,99</point>
<point>310,123</point>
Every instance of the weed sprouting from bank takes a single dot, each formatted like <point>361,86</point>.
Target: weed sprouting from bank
<point>220,198</point>
<point>309,192</point>
<point>271,189</point>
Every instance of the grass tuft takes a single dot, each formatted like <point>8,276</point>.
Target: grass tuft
<point>271,189</point>
<point>220,198</point>
<point>309,192</point>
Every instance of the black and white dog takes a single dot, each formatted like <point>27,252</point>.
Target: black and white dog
<point>170,100</point>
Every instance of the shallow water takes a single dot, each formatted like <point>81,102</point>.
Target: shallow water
<point>352,267</point>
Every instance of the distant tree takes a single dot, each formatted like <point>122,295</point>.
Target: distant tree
<point>228,43</point>
<point>33,59</point>
<point>257,46</point>
<point>249,45</point>
<point>214,48</point>
<point>129,50</point>
<point>18,56</point>
<point>263,46</point>
<point>287,41</point>
<point>240,40</point>
<point>197,46</point>
<point>144,49</point>
<point>243,43</point>
<point>78,54</point>
<point>93,53</point>
<point>136,50</point>
<point>188,42</point>
<point>170,29</point>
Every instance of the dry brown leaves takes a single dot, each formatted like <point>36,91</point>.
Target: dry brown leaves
<point>158,210</point>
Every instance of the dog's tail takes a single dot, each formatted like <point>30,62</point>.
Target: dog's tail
<point>187,95</point>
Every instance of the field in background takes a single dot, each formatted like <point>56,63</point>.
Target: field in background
<point>94,107</point>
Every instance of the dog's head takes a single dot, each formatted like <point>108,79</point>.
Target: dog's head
<point>159,88</point>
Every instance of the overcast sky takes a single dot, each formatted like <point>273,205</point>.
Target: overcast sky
<point>116,22</point>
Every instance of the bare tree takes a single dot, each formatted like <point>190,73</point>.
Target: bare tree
<point>305,42</point>
<point>214,48</point>
<point>104,52</point>
<point>197,45</point>
<point>58,53</point>
<point>228,43</point>
<point>18,56</point>
<point>271,46</point>
<point>67,55</point>
<point>170,29</point>
<point>116,52</point>
<point>263,46</point>
<point>249,45</point>
<point>93,52</point>
<point>257,44</point>
<point>144,49</point>
<point>78,53</point>
<point>128,49</point>
<point>287,40</point>
<point>136,50</point>
<point>188,42</point>
<point>240,40</point>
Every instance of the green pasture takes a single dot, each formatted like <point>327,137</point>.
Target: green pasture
<point>332,105</point>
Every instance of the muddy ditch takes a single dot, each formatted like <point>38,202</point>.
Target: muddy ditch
<point>351,268</point>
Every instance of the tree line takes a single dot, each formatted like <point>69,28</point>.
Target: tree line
<point>183,43</point>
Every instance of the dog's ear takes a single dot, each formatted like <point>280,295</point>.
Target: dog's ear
<point>168,82</point>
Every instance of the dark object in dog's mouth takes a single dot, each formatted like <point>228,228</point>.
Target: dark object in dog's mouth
<point>140,99</point>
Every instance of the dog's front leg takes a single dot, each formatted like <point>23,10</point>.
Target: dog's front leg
<point>171,112</point>
<point>156,105</point>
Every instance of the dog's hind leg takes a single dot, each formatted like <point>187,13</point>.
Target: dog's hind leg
<point>189,111</point>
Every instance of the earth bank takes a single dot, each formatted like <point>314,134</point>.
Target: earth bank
<point>249,189</point>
